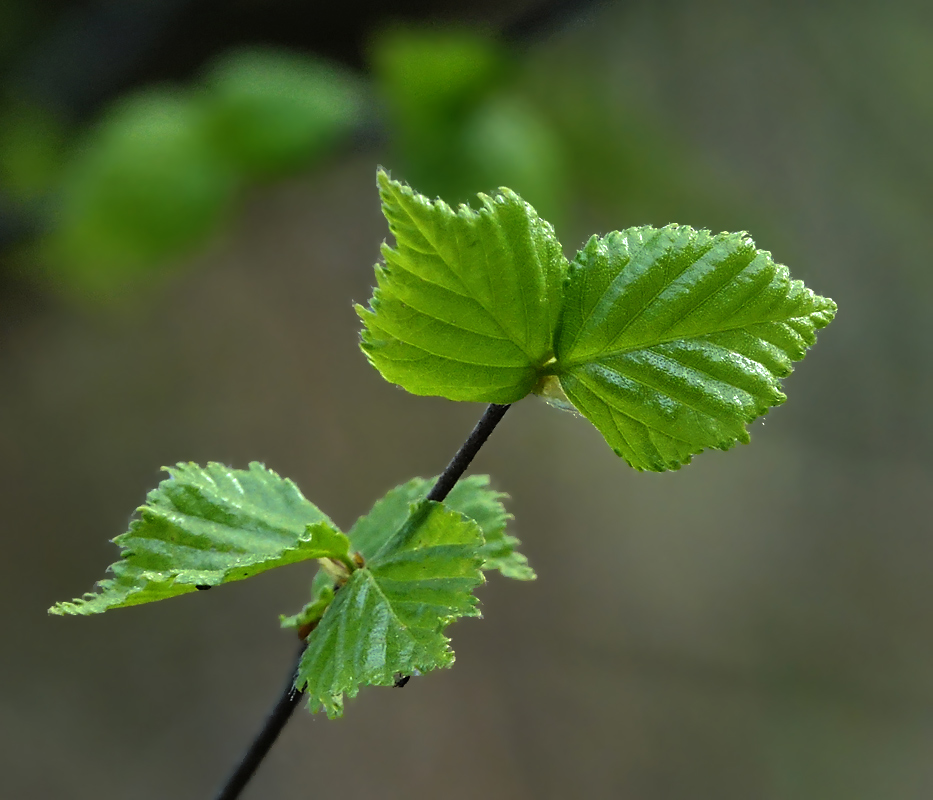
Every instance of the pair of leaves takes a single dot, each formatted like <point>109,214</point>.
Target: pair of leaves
<point>207,526</point>
<point>670,340</point>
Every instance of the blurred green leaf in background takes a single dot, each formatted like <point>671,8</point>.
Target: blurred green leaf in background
<point>144,187</point>
<point>459,123</point>
<point>160,172</point>
<point>271,112</point>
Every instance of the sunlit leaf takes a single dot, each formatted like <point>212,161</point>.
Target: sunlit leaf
<point>673,339</point>
<point>205,526</point>
<point>467,301</point>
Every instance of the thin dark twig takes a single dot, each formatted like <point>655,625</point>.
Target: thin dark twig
<point>467,451</point>
<point>291,697</point>
<point>261,745</point>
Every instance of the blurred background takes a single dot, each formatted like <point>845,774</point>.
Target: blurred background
<point>187,212</point>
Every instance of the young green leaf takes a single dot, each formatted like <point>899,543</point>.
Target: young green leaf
<point>673,339</point>
<point>331,542</point>
<point>472,497</point>
<point>207,526</point>
<point>391,614</point>
<point>669,340</point>
<point>468,301</point>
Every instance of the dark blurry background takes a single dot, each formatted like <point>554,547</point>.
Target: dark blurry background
<point>187,210</point>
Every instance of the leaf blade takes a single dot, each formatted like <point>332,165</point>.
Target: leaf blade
<point>390,616</point>
<point>472,497</point>
<point>207,526</point>
<point>672,339</point>
<point>467,302</point>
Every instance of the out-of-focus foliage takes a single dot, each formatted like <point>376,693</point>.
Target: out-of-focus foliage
<point>506,142</point>
<point>15,16</point>
<point>623,160</point>
<point>145,186</point>
<point>433,79</point>
<point>159,172</point>
<point>459,122</point>
<point>31,141</point>
<point>270,112</point>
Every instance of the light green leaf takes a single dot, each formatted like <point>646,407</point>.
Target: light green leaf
<point>390,616</point>
<point>468,301</point>
<point>472,497</point>
<point>673,339</point>
<point>207,526</point>
<point>323,537</point>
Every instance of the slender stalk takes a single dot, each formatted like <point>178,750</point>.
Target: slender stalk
<point>291,696</point>
<point>259,749</point>
<point>467,452</point>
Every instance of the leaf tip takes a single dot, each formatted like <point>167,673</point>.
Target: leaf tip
<point>383,178</point>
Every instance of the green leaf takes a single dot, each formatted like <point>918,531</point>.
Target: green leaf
<point>390,616</point>
<point>472,497</point>
<point>669,340</point>
<point>468,301</point>
<point>207,526</point>
<point>673,339</point>
<point>323,537</point>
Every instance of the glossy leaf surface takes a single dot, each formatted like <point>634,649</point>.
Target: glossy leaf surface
<point>472,497</point>
<point>205,526</point>
<point>673,339</point>
<point>390,616</point>
<point>467,301</point>
<point>669,340</point>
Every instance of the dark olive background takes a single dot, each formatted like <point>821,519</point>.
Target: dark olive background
<point>757,625</point>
